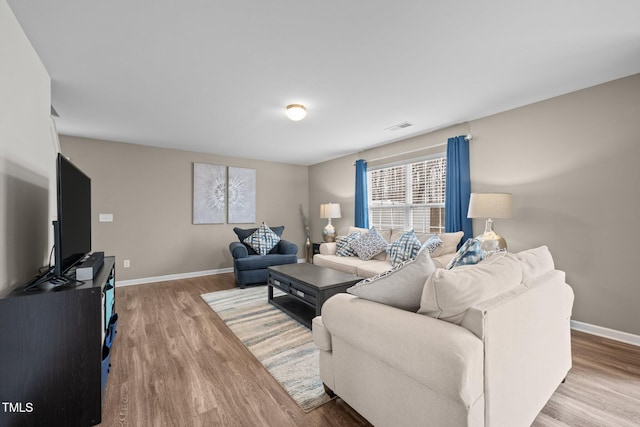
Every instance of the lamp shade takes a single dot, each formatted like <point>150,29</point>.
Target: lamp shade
<point>490,205</point>
<point>330,210</point>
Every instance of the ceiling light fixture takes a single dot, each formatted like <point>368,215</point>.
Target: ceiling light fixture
<point>296,112</point>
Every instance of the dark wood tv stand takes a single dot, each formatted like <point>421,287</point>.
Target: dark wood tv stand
<point>52,345</point>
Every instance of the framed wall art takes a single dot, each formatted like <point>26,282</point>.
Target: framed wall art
<point>209,193</point>
<point>241,192</point>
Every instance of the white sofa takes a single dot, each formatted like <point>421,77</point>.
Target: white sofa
<point>497,367</point>
<point>381,263</point>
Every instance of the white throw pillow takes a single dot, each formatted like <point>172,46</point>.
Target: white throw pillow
<point>449,293</point>
<point>400,287</point>
<point>535,262</point>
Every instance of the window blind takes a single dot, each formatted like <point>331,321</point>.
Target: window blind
<point>409,196</point>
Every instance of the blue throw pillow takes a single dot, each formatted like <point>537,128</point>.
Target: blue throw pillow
<point>406,247</point>
<point>469,253</point>
<point>243,233</point>
<point>369,244</point>
<point>343,244</point>
<point>432,243</point>
<point>262,240</point>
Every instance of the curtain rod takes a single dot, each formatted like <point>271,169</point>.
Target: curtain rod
<point>468,137</point>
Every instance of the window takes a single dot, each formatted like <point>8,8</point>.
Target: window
<point>409,196</point>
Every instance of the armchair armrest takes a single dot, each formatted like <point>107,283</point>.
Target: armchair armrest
<point>287,248</point>
<point>238,250</point>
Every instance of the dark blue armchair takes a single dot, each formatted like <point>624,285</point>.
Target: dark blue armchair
<point>249,267</point>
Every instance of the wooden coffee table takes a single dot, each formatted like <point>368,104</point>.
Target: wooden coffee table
<point>306,287</point>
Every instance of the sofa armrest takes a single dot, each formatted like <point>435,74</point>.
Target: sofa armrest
<point>238,250</point>
<point>328,248</point>
<point>410,343</point>
<point>321,336</point>
<point>527,344</point>
<point>287,248</point>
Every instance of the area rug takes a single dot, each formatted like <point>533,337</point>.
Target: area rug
<point>283,346</point>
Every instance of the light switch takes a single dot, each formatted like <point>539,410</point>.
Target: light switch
<point>106,218</point>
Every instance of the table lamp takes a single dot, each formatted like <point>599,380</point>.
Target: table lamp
<point>329,210</point>
<point>489,206</point>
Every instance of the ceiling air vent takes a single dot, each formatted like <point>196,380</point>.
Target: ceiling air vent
<point>399,126</point>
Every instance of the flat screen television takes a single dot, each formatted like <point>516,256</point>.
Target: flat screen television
<point>72,230</point>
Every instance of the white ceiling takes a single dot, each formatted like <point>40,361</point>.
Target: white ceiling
<point>215,76</point>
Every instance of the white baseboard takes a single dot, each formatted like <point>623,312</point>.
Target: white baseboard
<point>178,276</point>
<point>173,277</point>
<point>606,332</point>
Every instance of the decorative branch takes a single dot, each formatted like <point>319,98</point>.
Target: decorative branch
<point>305,221</point>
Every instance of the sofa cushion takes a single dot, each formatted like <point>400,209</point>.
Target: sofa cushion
<point>449,245</point>
<point>449,293</point>
<point>386,234</point>
<point>345,264</point>
<point>535,262</point>
<point>263,240</point>
<point>343,244</point>
<point>258,262</point>
<point>404,248</point>
<point>243,233</point>
<point>369,244</point>
<point>400,287</point>
<point>373,267</point>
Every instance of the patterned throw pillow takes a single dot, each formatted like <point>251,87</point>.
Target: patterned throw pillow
<point>369,244</point>
<point>404,248</point>
<point>343,244</point>
<point>243,233</point>
<point>262,240</point>
<point>432,243</point>
<point>469,253</point>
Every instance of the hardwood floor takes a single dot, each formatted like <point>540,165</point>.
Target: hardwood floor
<point>602,388</point>
<point>175,363</point>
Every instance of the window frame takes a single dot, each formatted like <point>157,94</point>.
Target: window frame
<point>408,206</point>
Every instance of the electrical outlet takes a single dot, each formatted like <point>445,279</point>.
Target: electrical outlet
<point>105,217</point>
<point>127,263</point>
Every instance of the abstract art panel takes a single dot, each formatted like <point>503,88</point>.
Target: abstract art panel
<point>209,189</point>
<point>241,190</point>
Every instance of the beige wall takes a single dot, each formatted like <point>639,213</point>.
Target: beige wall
<point>149,192</point>
<point>27,156</point>
<point>334,180</point>
<point>571,164</point>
